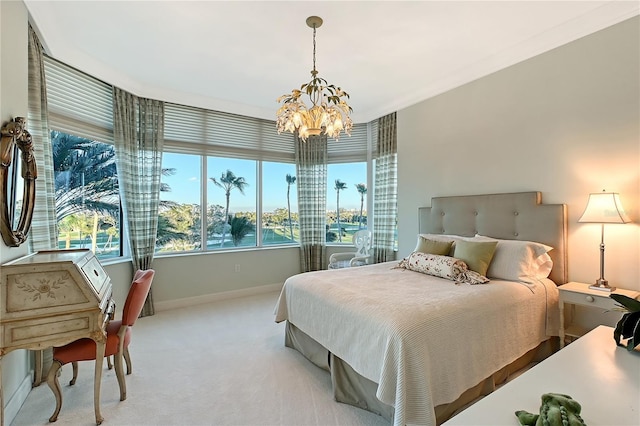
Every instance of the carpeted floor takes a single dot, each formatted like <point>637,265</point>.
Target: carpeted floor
<point>221,363</point>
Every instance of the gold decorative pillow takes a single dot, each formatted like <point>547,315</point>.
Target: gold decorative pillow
<point>427,245</point>
<point>476,254</point>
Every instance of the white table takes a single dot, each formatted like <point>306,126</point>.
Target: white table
<point>602,377</point>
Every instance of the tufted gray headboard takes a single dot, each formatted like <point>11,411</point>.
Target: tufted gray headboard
<point>509,216</point>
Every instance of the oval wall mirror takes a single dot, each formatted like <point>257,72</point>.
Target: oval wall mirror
<point>14,230</point>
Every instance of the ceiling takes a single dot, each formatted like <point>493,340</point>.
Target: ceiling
<point>239,56</point>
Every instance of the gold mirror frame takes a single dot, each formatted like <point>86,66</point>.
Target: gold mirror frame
<point>15,134</point>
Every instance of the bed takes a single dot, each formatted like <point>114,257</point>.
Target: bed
<point>414,347</point>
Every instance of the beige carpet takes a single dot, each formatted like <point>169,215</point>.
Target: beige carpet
<point>220,363</point>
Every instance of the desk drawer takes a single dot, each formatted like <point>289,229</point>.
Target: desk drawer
<point>51,331</point>
<point>588,300</point>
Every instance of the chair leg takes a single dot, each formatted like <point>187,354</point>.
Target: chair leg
<point>74,365</point>
<point>120,375</point>
<point>127,358</point>
<point>109,363</point>
<point>52,381</point>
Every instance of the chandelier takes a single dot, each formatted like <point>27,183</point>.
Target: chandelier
<point>329,111</point>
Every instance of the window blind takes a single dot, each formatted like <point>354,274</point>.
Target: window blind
<point>374,137</point>
<point>78,104</point>
<point>203,131</point>
<point>349,149</point>
<point>83,105</point>
<point>231,135</point>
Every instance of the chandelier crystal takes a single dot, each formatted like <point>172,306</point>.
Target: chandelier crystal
<point>329,111</point>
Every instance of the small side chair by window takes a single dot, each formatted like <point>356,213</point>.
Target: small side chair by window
<point>118,338</point>
<point>362,240</point>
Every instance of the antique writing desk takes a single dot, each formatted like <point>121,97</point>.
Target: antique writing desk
<point>51,298</point>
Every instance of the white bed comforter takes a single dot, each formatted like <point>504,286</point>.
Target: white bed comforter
<point>423,339</point>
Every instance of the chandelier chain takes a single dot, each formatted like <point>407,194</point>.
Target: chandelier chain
<point>314,48</point>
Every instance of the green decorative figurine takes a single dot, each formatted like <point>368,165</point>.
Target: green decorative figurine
<point>556,410</point>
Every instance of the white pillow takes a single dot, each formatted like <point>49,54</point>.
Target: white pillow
<point>516,260</point>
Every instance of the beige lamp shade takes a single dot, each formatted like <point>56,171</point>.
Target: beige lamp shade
<point>604,207</point>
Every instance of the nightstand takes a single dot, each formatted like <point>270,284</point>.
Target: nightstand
<point>580,294</point>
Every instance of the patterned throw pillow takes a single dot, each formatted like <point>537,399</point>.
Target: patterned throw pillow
<point>441,266</point>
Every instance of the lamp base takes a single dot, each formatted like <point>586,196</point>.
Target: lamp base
<point>602,285</point>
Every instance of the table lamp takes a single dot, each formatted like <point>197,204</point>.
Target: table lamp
<point>603,207</point>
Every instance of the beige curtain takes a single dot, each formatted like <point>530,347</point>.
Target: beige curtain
<point>138,134</point>
<point>311,170</point>
<point>385,205</point>
<point>43,234</point>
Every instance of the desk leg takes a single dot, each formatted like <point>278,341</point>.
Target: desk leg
<point>561,333</point>
<point>37,374</point>
<point>100,347</point>
<point>1,397</point>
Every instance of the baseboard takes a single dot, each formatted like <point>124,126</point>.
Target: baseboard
<point>216,297</point>
<point>17,399</point>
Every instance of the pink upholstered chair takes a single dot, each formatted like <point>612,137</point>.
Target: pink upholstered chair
<point>118,338</point>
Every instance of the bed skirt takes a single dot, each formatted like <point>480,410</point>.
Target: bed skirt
<point>349,387</point>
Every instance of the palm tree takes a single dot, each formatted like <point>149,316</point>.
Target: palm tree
<point>362,189</point>
<point>85,176</point>
<point>339,187</point>
<point>290,181</point>
<point>240,227</point>
<point>228,182</point>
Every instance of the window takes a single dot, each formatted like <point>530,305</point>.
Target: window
<point>347,170</point>
<point>279,204</point>
<point>346,193</point>
<point>179,213</point>
<point>231,203</point>
<point>86,193</point>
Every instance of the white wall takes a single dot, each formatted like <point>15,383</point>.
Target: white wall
<point>565,123</point>
<point>196,278</point>
<point>16,366</point>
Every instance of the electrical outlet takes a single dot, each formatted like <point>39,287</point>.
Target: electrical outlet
<point>237,267</point>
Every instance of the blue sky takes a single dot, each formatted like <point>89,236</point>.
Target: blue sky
<point>185,183</point>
